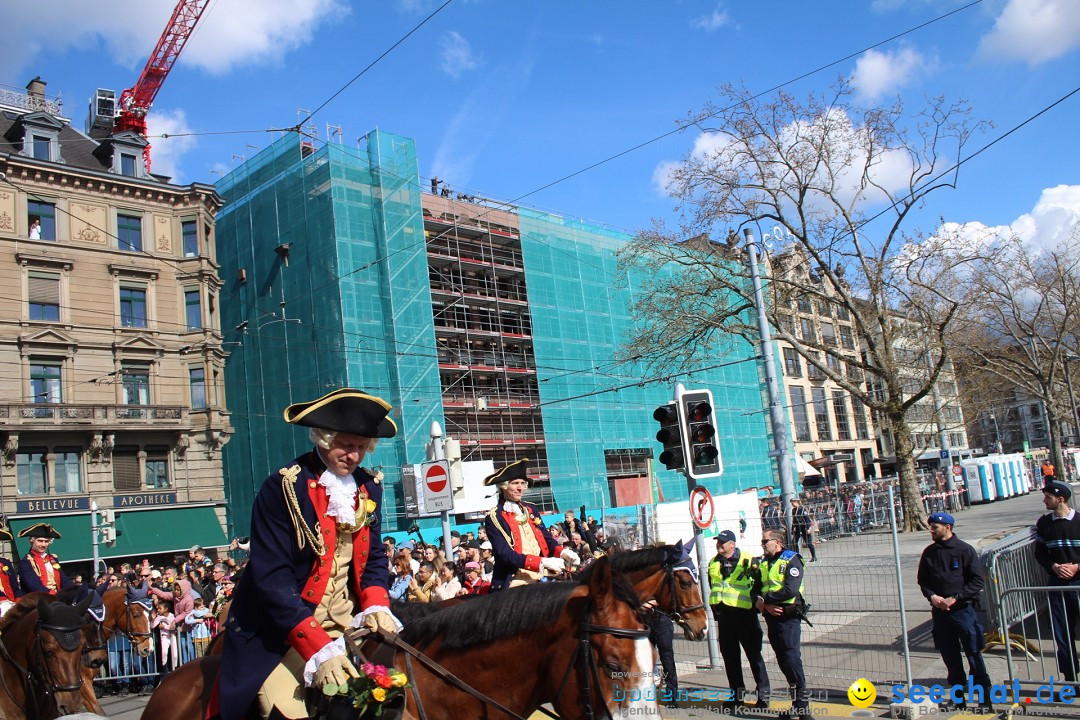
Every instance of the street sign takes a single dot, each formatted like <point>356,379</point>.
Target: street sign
<point>944,455</point>
<point>702,508</point>
<point>957,470</point>
<point>438,495</point>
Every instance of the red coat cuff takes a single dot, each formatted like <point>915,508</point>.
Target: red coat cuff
<point>557,552</point>
<point>532,563</point>
<point>374,596</point>
<point>308,638</point>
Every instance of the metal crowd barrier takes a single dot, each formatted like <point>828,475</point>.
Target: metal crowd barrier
<point>1010,563</point>
<point>126,665</point>
<point>1032,653</point>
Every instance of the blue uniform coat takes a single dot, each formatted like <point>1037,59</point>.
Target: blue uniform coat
<point>272,606</point>
<point>508,556</point>
<point>30,573</point>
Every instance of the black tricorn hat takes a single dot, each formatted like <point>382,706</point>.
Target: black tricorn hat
<point>345,410</point>
<point>37,530</point>
<point>5,534</point>
<point>513,471</point>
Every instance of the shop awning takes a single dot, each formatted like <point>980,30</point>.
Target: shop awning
<point>806,469</point>
<point>144,532</point>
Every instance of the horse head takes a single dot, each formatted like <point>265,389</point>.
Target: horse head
<point>683,592</point>
<point>128,613</point>
<point>95,651</point>
<point>54,661</point>
<point>614,661</point>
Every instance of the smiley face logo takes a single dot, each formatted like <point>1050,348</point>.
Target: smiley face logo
<point>862,693</point>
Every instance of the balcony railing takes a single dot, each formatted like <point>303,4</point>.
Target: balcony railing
<point>78,413</point>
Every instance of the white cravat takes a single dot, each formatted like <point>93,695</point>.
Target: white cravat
<point>341,490</point>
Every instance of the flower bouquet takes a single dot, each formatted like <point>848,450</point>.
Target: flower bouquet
<point>378,689</point>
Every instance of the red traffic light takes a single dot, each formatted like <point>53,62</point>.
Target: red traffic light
<point>697,412</point>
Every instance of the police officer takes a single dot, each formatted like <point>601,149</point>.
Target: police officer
<point>40,571</point>
<point>778,595</point>
<point>951,577</point>
<point>732,575</point>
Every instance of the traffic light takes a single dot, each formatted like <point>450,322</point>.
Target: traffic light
<point>700,431</point>
<point>670,436</point>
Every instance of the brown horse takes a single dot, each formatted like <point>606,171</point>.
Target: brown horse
<point>124,615</point>
<point>585,647</point>
<point>41,659</point>
<point>653,573</point>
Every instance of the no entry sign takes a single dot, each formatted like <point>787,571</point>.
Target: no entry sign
<point>438,495</point>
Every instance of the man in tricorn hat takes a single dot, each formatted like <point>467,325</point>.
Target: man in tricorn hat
<point>522,546</point>
<point>9,577</point>
<point>317,564</point>
<point>40,571</point>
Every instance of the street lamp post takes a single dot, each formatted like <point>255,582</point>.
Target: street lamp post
<point>997,433</point>
<point>1072,398</point>
<point>776,409</point>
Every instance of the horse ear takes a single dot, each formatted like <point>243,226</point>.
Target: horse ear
<point>82,606</point>
<point>45,611</point>
<point>600,581</point>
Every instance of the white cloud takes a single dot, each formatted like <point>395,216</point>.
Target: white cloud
<point>166,154</point>
<point>715,20</point>
<point>877,74</point>
<point>457,54</point>
<point>1050,223</point>
<point>230,33</point>
<point>1034,31</point>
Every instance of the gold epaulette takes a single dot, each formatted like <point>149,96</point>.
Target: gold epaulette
<point>304,534</point>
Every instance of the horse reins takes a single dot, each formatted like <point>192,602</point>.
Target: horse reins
<point>587,667</point>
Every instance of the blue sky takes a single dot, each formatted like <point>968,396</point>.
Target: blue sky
<point>504,97</point>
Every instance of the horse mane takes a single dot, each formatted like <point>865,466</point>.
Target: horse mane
<point>502,614</point>
<point>22,607</point>
<point>631,560</point>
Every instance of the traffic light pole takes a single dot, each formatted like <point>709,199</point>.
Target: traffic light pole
<point>94,538</point>
<point>780,449</point>
<point>439,453</point>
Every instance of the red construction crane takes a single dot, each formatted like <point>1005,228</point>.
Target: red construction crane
<point>135,102</point>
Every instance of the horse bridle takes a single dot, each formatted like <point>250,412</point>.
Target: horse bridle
<point>68,639</point>
<point>134,637</point>
<point>585,663</point>
<point>679,613</point>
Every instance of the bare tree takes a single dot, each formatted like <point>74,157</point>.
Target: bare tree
<point>1020,323</point>
<point>815,170</point>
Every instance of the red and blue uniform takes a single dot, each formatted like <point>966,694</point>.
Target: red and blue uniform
<point>508,556</point>
<point>37,572</point>
<point>9,581</point>
<point>274,602</point>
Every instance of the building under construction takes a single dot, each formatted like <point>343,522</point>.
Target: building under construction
<point>499,322</point>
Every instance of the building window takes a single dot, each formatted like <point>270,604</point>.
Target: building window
<point>798,414</point>
<point>42,147</point>
<point>136,384</point>
<point>44,296</point>
<point>45,382</point>
<point>792,363</point>
<point>821,414</point>
<point>128,165</point>
<point>67,464</point>
<point>957,440</point>
<point>32,472</point>
<point>198,388</point>
<point>842,313</point>
<point>847,340</point>
<point>44,214</point>
<point>807,334</point>
<point>125,464</point>
<point>843,426</point>
<point>157,468</point>
<point>132,306</point>
<point>129,232</point>
<point>828,333</point>
<point>192,309</point>
<point>804,304</point>
<point>835,364</point>
<point>189,231</point>
<point>861,427</point>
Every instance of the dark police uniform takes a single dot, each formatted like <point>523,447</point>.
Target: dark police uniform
<point>662,635</point>
<point>781,584</point>
<point>731,582</point>
<point>952,569</point>
<point>1057,540</point>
